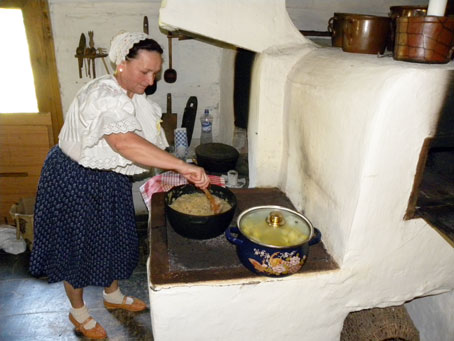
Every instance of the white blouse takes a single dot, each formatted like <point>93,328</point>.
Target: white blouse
<point>100,108</point>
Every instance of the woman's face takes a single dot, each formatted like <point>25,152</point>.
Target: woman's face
<point>136,74</point>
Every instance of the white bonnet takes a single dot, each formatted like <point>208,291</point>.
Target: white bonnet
<point>122,43</point>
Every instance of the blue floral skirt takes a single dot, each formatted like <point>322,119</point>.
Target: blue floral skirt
<point>84,224</point>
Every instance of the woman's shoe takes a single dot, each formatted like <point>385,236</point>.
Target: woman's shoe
<point>136,305</point>
<point>97,332</point>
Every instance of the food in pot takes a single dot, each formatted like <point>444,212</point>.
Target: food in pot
<point>272,240</point>
<point>256,228</point>
<point>198,204</point>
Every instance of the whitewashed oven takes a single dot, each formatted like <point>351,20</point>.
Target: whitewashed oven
<point>341,134</point>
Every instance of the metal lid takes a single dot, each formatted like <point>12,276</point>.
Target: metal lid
<point>275,226</point>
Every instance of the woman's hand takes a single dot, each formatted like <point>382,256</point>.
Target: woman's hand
<point>195,174</point>
<point>140,151</point>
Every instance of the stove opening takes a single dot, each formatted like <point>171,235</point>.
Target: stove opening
<point>432,196</point>
<point>242,87</point>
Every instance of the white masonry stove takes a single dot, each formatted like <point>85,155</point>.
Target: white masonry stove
<point>341,135</point>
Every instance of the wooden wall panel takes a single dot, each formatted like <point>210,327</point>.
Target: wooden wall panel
<point>25,141</point>
<point>23,146</point>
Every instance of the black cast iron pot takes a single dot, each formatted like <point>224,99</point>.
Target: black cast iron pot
<point>216,157</point>
<point>199,227</point>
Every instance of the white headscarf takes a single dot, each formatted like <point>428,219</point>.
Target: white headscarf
<point>122,43</point>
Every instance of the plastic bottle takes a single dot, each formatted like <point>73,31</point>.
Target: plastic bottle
<point>207,127</point>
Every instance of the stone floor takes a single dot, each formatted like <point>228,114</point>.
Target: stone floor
<point>31,309</point>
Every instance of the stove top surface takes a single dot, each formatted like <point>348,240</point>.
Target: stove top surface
<point>190,254</point>
<point>176,260</point>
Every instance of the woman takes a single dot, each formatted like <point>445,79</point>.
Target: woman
<point>85,231</point>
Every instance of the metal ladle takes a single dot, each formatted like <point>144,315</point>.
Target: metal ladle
<point>170,75</point>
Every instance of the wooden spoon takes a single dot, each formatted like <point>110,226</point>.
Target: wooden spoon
<point>214,206</point>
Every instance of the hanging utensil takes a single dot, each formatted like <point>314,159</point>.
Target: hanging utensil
<point>145,24</point>
<point>170,75</point>
<point>92,51</point>
<point>80,53</point>
<point>102,52</point>
<point>151,89</point>
<point>190,112</point>
<point>87,61</point>
<point>169,121</point>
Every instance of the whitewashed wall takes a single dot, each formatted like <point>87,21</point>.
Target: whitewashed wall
<point>197,64</point>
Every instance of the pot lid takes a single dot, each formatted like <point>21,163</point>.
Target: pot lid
<point>217,151</point>
<point>275,226</point>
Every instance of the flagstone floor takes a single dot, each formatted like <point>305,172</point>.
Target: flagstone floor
<point>32,310</point>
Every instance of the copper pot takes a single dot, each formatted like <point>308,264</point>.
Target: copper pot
<point>402,11</point>
<point>335,28</point>
<point>407,11</point>
<point>365,33</point>
<point>428,39</point>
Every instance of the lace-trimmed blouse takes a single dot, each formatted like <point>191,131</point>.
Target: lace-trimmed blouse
<point>100,108</point>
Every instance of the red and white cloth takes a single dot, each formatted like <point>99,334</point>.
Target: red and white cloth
<point>166,181</point>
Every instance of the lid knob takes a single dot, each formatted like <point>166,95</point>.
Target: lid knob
<point>275,219</point>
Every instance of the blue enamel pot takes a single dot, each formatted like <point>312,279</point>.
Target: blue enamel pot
<point>272,240</point>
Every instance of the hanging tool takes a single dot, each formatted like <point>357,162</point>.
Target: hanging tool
<point>169,121</point>
<point>102,52</point>
<point>88,54</point>
<point>87,62</point>
<point>190,112</point>
<point>145,25</point>
<point>92,53</point>
<point>80,53</point>
<point>170,75</point>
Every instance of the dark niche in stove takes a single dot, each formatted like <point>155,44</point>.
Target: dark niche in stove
<point>432,197</point>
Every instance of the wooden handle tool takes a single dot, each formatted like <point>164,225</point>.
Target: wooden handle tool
<point>214,206</point>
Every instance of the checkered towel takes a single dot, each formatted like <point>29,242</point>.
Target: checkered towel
<point>166,181</point>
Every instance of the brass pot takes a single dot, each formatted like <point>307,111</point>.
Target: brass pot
<point>365,34</point>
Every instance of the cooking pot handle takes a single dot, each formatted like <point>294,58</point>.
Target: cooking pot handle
<point>316,238</point>
<point>451,50</point>
<point>330,26</point>
<point>228,234</point>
